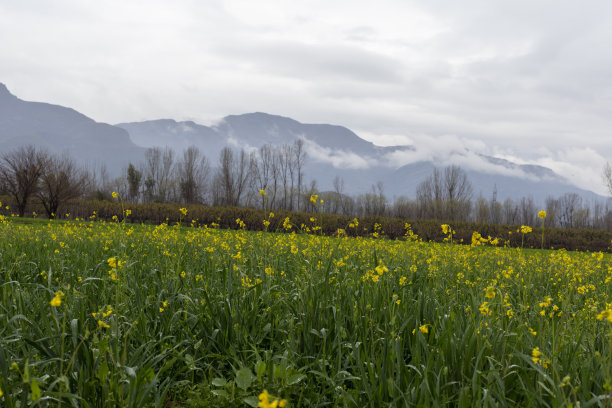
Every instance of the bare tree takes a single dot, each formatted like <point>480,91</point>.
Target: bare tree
<point>231,179</point>
<point>20,171</point>
<point>134,178</point>
<point>482,210</point>
<point>527,211</point>
<point>193,172</point>
<point>404,207</point>
<point>60,180</point>
<point>607,177</point>
<point>158,169</point>
<point>445,196</point>
<point>299,159</point>
<point>552,212</point>
<point>458,192</point>
<point>151,170</point>
<point>569,204</point>
<point>510,212</point>
<point>262,163</point>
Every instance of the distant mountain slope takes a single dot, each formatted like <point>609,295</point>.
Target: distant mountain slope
<point>406,179</point>
<point>257,129</point>
<point>63,129</point>
<point>177,135</point>
<point>337,151</point>
<point>332,150</point>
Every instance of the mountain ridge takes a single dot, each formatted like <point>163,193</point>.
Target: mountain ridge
<point>333,150</point>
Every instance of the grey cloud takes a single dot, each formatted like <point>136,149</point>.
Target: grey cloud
<point>519,75</point>
<point>316,62</point>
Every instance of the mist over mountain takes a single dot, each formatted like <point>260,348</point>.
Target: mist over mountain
<point>337,151</point>
<point>332,151</point>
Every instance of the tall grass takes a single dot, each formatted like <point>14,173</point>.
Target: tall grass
<point>174,316</point>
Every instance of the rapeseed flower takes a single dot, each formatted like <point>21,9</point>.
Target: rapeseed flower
<point>490,292</point>
<point>57,300</point>
<point>542,214</point>
<point>264,401</point>
<point>605,315</point>
<point>535,355</point>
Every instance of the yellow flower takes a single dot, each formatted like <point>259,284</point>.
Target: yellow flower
<point>535,355</point>
<point>1,393</point>
<point>445,228</point>
<point>605,315</point>
<point>183,211</point>
<point>287,224</point>
<point>490,292</point>
<point>57,300</point>
<point>115,194</point>
<point>423,329</point>
<point>525,229</point>
<point>264,401</point>
<point>542,214</point>
<point>102,325</point>
<point>262,192</point>
<point>314,198</point>
<point>380,269</point>
<point>484,309</point>
<point>112,262</point>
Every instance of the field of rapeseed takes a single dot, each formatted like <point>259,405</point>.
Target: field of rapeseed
<point>97,314</point>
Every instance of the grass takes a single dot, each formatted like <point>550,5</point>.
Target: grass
<point>172,316</point>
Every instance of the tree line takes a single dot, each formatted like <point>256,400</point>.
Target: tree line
<point>448,195</point>
<point>239,176</point>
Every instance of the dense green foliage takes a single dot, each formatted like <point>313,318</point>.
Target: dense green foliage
<point>115,314</point>
<point>428,230</point>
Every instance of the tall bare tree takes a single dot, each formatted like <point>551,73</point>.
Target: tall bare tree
<point>445,195</point>
<point>607,177</point>
<point>20,172</point>
<point>60,180</point>
<point>231,179</point>
<point>134,178</point>
<point>299,160</point>
<point>569,205</point>
<point>158,169</point>
<point>193,172</point>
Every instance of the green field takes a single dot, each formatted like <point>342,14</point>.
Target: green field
<point>98,314</point>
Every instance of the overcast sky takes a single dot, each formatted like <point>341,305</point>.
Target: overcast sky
<point>526,80</point>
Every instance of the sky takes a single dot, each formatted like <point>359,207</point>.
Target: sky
<point>525,80</point>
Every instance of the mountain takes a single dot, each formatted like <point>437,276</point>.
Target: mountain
<point>177,135</point>
<point>60,129</point>
<point>337,151</point>
<point>332,151</point>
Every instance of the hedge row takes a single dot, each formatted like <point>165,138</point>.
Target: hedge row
<point>393,228</point>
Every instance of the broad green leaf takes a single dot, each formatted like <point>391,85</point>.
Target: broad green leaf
<point>244,378</point>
